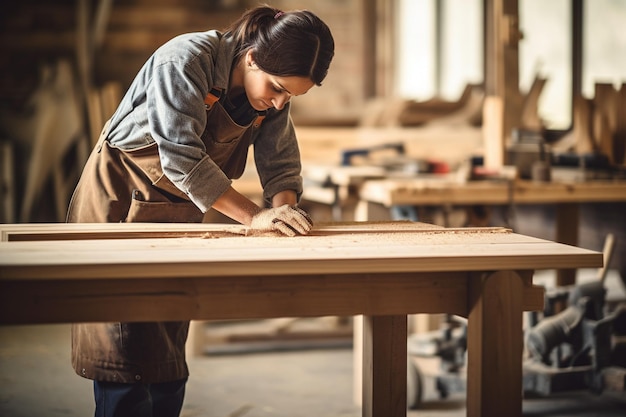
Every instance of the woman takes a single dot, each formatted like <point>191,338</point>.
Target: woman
<point>169,153</point>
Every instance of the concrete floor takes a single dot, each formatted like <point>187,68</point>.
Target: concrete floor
<point>36,380</point>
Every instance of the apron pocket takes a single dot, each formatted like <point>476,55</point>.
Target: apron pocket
<point>162,211</point>
<point>163,183</point>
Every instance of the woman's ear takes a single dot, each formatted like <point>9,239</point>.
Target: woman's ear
<point>249,59</point>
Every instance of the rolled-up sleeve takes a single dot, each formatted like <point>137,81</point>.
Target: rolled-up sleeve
<point>277,156</point>
<point>177,117</point>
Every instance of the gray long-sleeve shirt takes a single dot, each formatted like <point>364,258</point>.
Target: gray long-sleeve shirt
<point>165,104</point>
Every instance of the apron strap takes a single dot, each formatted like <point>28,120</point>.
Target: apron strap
<point>259,119</point>
<point>103,135</point>
<point>212,97</point>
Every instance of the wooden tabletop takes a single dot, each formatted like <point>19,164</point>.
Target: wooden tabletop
<point>156,250</point>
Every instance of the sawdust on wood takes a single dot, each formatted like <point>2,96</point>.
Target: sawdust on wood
<point>244,232</point>
<point>379,229</point>
<point>386,235</point>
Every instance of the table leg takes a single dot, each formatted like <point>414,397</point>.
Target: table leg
<point>567,215</point>
<point>195,339</point>
<point>384,366</point>
<point>495,344</point>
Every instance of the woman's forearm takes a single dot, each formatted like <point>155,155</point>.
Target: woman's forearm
<point>288,197</point>
<point>236,206</point>
<point>241,209</point>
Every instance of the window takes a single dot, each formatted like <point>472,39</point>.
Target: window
<point>604,44</point>
<point>546,51</point>
<point>439,49</point>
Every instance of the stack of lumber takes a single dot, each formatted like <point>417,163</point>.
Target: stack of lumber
<point>7,183</point>
<point>600,123</point>
<point>101,104</point>
<point>400,112</point>
<point>41,136</point>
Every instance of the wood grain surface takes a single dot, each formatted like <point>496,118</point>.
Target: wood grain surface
<point>224,250</point>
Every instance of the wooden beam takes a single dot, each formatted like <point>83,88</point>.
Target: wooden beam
<point>384,387</point>
<point>502,71</point>
<point>494,352</point>
<point>203,298</point>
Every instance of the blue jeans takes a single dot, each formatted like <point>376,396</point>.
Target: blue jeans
<point>139,400</point>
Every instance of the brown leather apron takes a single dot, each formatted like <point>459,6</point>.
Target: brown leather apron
<point>129,186</point>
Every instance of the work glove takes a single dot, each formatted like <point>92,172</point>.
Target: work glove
<point>286,219</point>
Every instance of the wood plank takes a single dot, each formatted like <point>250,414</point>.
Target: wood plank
<point>81,231</point>
<point>7,182</point>
<point>340,253</point>
<point>567,226</point>
<point>582,125</point>
<point>605,103</point>
<point>530,118</point>
<point>240,297</point>
<point>533,192</point>
<point>493,132</point>
<point>501,76</point>
<point>603,135</point>
<point>43,231</point>
<point>621,109</point>
<point>324,146</point>
<point>418,191</point>
<point>86,231</point>
<point>619,140</point>
<point>342,175</point>
<point>147,299</point>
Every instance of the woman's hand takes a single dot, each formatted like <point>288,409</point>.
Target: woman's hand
<point>286,219</point>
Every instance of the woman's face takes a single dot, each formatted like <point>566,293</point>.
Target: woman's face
<point>265,91</point>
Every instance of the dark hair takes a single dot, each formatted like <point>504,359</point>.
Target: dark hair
<point>294,43</point>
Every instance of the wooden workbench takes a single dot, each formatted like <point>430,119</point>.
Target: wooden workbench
<point>390,192</point>
<point>566,196</point>
<point>384,271</point>
<point>362,191</point>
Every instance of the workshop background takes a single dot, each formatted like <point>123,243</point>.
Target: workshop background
<point>441,77</point>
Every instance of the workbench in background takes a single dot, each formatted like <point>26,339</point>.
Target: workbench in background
<point>333,192</point>
<point>370,193</point>
<point>566,197</point>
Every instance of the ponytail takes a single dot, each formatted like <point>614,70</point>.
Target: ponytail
<point>294,43</point>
